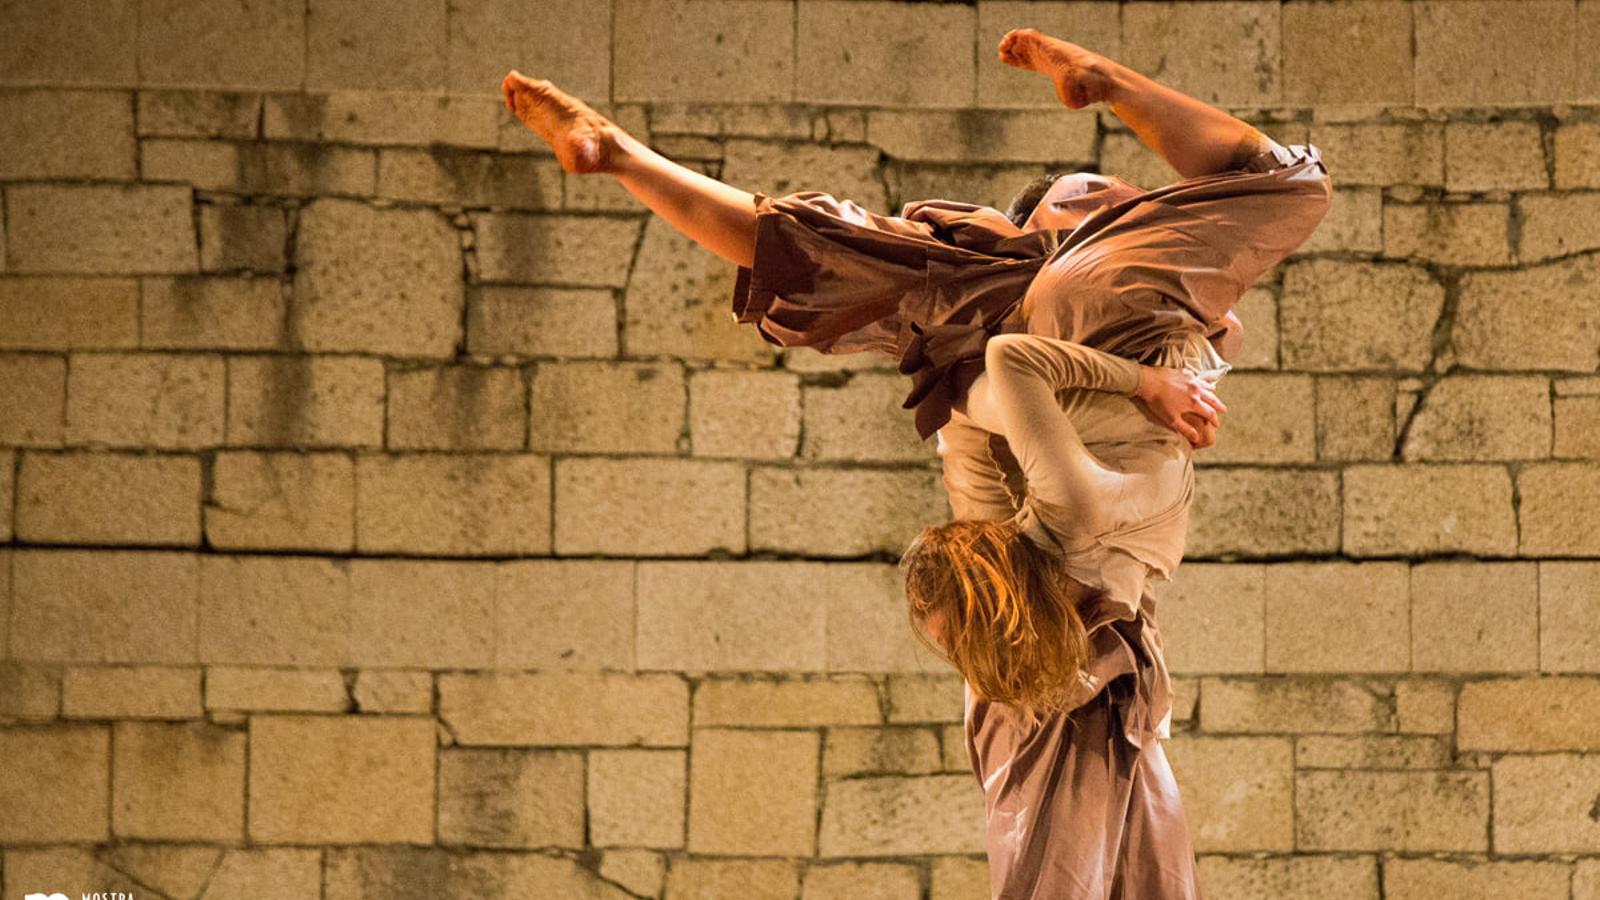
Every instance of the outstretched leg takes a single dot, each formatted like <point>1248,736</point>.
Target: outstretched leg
<point>717,216</point>
<point>1195,137</point>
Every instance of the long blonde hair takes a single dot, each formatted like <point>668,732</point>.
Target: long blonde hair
<point>1005,614</point>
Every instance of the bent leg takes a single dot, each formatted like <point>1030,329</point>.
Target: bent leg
<point>717,216</point>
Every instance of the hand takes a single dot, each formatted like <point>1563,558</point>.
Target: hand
<point>1183,401</point>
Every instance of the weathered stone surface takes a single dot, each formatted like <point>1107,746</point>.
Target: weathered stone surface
<point>1354,223</point>
<point>32,409</point>
<point>1528,714</point>
<point>457,407</point>
<point>274,610</point>
<point>303,790</point>
<point>69,313</point>
<point>179,782</point>
<point>99,229</point>
<point>982,136</point>
<point>1540,317</point>
<point>393,691</point>
<point>640,871</point>
<point>1559,509</point>
<point>66,134</point>
<point>751,415</point>
<point>789,702</point>
<point>607,407</point>
<point>1270,420</point>
<point>1569,616</point>
<point>1237,791</point>
<point>702,51</point>
<point>292,169</point>
<point>347,47</point>
<point>202,114</point>
<point>1367,605</point>
<point>422,614</point>
<point>1425,705</point>
<point>1421,879</point>
<point>57,785</point>
<point>957,878</point>
<point>147,399</point>
<point>1157,40</point>
<point>73,43</point>
<point>1473,417</point>
<point>1411,811</point>
<point>1542,803</point>
<point>738,616</point>
<point>861,881</point>
<point>1355,418</point>
<point>1259,307</point>
<point>1212,618</point>
<point>1418,509</point>
<point>103,606</point>
<point>1452,234</point>
<point>213,313</point>
<point>376,280</point>
<point>228,44</point>
<point>1576,162</point>
<point>530,321</point>
<point>1397,153</point>
<point>885,54</point>
<point>487,504</point>
<point>564,614</point>
<point>1487,156</point>
<point>589,251</point>
<point>1338,315</point>
<point>678,301</point>
<point>131,692</point>
<point>1520,53</point>
<point>441,175</point>
<point>27,690</point>
<point>1319,41</point>
<point>1289,705</point>
<point>881,751</point>
<point>559,40</point>
<point>1258,512</point>
<point>925,698</point>
<point>305,401</point>
<point>566,709</point>
<point>722,818</point>
<point>649,507</point>
<point>861,420</point>
<point>295,501</point>
<point>901,815</point>
<point>1475,617</point>
<point>1558,225</point>
<point>732,879</point>
<point>412,873</point>
<point>1253,878</point>
<point>637,797</point>
<point>511,798</point>
<point>868,630</point>
<point>1327,751</point>
<point>800,510</point>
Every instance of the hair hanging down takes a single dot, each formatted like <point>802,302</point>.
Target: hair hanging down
<point>1027,199</point>
<point>1005,614</point>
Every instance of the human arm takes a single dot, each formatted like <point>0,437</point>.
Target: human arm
<point>980,477</point>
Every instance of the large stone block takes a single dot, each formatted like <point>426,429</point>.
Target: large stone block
<point>881,751</point>
<point>1264,512</point>
<point>446,176</point>
<point>1428,509</point>
<point>274,610</point>
<point>1158,40</point>
<point>417,873</point>
<point>1354,223</point>
<point>1451,234</point>
<point>236,43</point>
<point>75,43</point>
<point>789,702</point>
<point>1475,617</point>
<point>243,236</point>
<point>1237,791</point>
<point>304,790</point>
<point>1291,705</point>
<point>1555,225</point>
<point>100,229</point>
<point>723,820</point>
<point>1338,315</point>
<point>305,401</point>
<point>457,407</point>
<point>199,114</point>
<point>564,614</point>
<point>470,504</point>
<point>637,798</point>
<point>1423,879</point>
<point>57,786</point>
<point>69,313</point>
<point>1529,714</point>
<point>376,280</point>
<point>1539,317</point>
<point>566,709</point>
<point>1559,509</point>
<point>861,420</point>
<point>722,51</point>
<point>1270,419</point>
<point>1488,156</point>
<point>213,313</point>
<point>868,629</point>
<point>738,616</point>
<point>103,606</point>
<point>253,689</point>
<point>861,881</point>
<point>530,321</point>
<point>281,501</point>
<point>679,301</point>
<point>983,136</point>
<point>562,40</point>
<point>740,413</point>
<point>1569,616</point>
<point>902,816</point>
<point>649,507</point>
<point>131,692</point>
<point>177,782</point>
<point>842,512</point>
<point>421,614</point>
<point>293,169</point>
<point>1542,803</point>
<point>348,47</point>
<point>520,248</point>
<point>386,117</point>
<point>1213,618</point>
<point>925,698</point>
<point>1472,417</point>
<point>511,798</point>
<point>732,879</point>
<point>885,54</point>
<point>1320,40</point>
<point>393,691</point>
<point>1355,418</point>
<point>1421,811</point>
<point>1387,751</point>
<point>66,134</point>
<point>1494,53</point>
<point>91,497</point>
<point>1388,153</point>
<point>147,399</point>
<point>1276,877</point>
<point>1577,155</point>
<point>32,409</point>
<point>607,407</point>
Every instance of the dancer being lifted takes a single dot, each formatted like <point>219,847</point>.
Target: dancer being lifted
<point>1070,495</point>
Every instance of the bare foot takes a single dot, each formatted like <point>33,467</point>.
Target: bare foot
<point>1081,76</point>
<point>584,140</point>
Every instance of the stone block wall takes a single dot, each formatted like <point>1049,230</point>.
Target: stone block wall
<point>387,514</point>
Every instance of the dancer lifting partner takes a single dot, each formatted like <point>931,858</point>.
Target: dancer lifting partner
<point>1068,477</point>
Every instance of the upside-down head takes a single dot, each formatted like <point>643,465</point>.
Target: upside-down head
<point>982,595</point>
<point>1065,199</point>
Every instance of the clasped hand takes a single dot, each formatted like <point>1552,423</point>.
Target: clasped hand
<point>1183,401</point>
